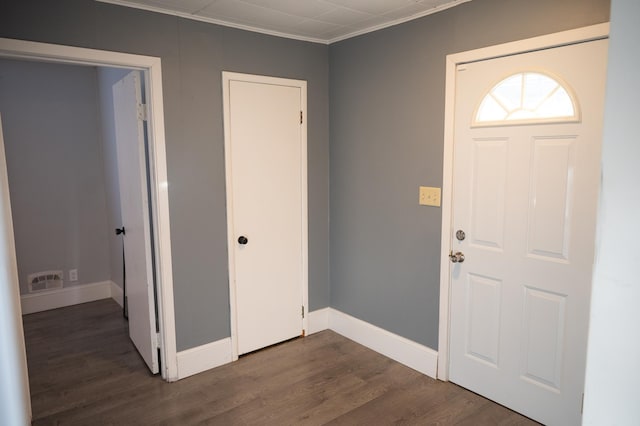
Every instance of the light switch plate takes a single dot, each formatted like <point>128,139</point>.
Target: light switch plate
<point>429,196</point>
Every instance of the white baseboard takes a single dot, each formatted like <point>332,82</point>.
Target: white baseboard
<point>46,300</point>
<point>215,354</point>
<point>398,348</point>
<point>117,294</point>
<point>202,358</point>
<point>412,354</point>
<point>318,321</point>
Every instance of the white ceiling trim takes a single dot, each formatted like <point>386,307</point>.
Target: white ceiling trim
<point>398,21</point>
<point>186,15</point>
<point>212,20</point>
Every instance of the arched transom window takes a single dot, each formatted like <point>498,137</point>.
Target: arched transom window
<point>527,97</point>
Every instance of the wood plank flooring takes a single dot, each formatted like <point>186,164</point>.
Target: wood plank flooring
<point>83,370</point>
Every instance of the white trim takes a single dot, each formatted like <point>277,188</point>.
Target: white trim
<point>68,296</point>
<point>398,348</point>
<point>117,294</point>
<point>564,38</point>
<point>548,41</point>
<point>208,20</point>
<point>59,298</point>
<point>398,21</point>
<point>305,202</point>
<point>254,29</point>
<point>405,351</point>
<point>318,321</point>
<point>152,68</point>
<point>159,184</point>
<point>201,358</point>
<point>226,78</point>
<point>15,403</point>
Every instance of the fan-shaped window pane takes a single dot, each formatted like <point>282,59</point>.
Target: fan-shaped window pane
<point>537,88</point>
<point>526,97</point>
<point>491,110</point>
<point>509,92</point>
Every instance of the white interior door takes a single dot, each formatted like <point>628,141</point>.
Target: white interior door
<point>264,143</point>
<point>134,201</point>
<point>525,195</point>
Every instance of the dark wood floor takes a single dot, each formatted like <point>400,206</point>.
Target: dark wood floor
<point>83,370</point>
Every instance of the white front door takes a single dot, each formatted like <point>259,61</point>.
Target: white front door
<point>525,196</point>
<point>264,142</point>
<point>134,202</point>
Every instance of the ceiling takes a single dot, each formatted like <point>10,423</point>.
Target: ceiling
<point>321,21</point>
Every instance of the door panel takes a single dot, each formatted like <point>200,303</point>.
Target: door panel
<point>483,311</point>
<point>543,337</point>
<point>265,143</point>
<point>489,192</point>
<point>525,194</point>
<point>134,202</point>
<point>550,197</point>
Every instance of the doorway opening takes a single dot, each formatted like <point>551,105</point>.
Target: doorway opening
<point>150,72</point>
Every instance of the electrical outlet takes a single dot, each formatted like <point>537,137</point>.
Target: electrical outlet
<point>429,196</point>
<point>73,275</point>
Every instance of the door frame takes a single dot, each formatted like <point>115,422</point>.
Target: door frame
<point>579,35</point>
<point>152,70</point>
<point>227,77</point>
<point>11,329</point>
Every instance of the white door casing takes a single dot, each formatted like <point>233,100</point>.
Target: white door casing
<point>15,403</point>
<point>132,179</point>
<point>265,149</point>
<point>152,69</point>
<point>526,197</point>
<point>584,34</point>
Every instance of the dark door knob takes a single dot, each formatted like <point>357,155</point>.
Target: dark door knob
<point>120,231</point>
<point>242,240</point>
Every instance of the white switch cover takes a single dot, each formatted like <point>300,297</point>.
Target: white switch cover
<point>429,196</point>
<point>73,275</point>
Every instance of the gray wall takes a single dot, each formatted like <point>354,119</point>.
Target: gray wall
<point>387,114</point>
<point>55,169</point>
<point>613,360</point>
<point>193,56</point>
<point>387,97</point>
<point>107,77</point>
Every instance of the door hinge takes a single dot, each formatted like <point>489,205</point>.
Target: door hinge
<point>302,311</point>
<point>582,404</point>
<point>300,117</point>
<point>142,112</point>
